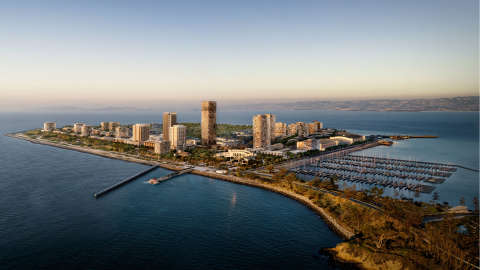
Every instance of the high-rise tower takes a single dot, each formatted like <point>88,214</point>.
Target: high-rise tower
<point>209,122</point>
<point>263,130</point>
<point>169,120</point>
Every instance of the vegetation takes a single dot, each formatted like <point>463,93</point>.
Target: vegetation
<point>394,238</point>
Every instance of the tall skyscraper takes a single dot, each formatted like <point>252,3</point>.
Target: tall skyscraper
<point>113,125</point>
<point>85,131</point>
<point>169,120</point>
<point>263,130</point>
<point>141,132</point>
<point>178,136</point>
<point>104,126</point>
<point>49,126</point>
<point>209,122</point>
<point>270,125</point>
<point>315,127</point>
<point>77,127</point>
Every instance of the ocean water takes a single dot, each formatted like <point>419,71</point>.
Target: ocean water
<point>49,218</point>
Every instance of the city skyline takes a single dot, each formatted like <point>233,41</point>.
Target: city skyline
<point>150,53</point>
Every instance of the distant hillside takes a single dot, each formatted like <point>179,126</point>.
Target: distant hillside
<point>412,105</point>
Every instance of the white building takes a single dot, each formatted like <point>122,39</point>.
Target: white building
<point>342,140</point>
<point>85,131</point>
<point>236,154</point>
<point>192,142</point>
<point>77,127</point>
<point>323,144</point>
<point>162,147</point>
<point>49,126</point>
<point>177,136</point>
<point>141,133</point>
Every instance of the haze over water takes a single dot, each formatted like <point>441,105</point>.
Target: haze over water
<point>49,217</point>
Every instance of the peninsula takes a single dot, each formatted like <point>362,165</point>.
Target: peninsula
<point>380,232</point>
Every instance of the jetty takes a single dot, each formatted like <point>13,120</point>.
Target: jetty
<point>406,137</point>
<point>123,182</point>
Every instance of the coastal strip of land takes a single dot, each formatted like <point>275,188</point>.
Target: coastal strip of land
<point>341,229</point>
<point>388,238</point>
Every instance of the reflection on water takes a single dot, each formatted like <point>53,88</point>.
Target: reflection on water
<point>234,199</point>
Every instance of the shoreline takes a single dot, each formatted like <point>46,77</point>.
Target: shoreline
<point>339,229</point>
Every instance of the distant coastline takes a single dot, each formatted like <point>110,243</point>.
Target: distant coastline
<point>454,104</point>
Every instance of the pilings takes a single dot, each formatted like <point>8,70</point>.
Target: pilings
<point>123,182</point>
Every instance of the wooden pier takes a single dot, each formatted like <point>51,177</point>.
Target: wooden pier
<point>123,182</point>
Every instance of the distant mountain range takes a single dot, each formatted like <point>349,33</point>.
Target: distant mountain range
<point>470,103</point>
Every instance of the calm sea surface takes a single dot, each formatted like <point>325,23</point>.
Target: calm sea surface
<point>49,219</point>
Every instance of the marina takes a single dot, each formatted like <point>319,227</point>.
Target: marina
<point>392,173</point>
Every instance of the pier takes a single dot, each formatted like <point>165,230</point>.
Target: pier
<point>123,182</point>
<point>171,175</point>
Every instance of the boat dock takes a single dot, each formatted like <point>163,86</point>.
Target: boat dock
<point>171,175</point>
<point>123,182</point>
<point>386,172</point>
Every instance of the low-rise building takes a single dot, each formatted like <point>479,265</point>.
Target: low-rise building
<point>226,142</point>
<point>192,142</point>
<point>323,144</point>
<point>279,153</point>
<point>357,138</point>
<point>95,131</point>
<point>49,126</point>
<point>236,154</point>
<point>342,140</point>
<point>309,144</point>
<point>162,147</point>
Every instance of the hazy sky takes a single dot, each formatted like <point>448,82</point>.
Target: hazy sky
<point>128,52</point>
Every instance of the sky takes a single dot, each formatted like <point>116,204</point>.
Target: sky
<point>134,53</point>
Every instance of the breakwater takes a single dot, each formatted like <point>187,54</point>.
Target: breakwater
<point>123,182</point>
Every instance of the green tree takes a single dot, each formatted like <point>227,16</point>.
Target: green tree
<point>270,168</point>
